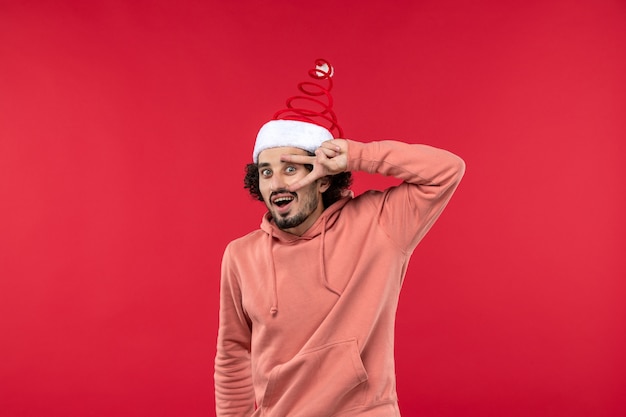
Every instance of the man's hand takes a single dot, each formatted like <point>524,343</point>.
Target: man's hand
<point>330,158</point>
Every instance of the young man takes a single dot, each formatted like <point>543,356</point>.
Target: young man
<point>308,301</point>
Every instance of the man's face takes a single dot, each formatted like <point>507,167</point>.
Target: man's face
<point>296,211</point>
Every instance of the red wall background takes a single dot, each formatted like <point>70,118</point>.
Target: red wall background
<point>124,129</point>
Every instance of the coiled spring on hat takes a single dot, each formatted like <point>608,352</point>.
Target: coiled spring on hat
<point>308,107</point>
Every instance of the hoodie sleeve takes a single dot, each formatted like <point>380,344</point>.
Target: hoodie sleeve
<point>234,392</point>
<point>429,176</point>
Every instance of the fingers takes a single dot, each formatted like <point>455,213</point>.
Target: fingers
<point>329,149</point>
<point>338,145</point>
<point>326,152</point>
<point>309,179</point>
<point>332,145</point>
<point>298,159</point>
<point>329,159</point>
<point>320,154</point>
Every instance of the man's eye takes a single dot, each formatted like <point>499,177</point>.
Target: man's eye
<point>291,170</point>
<point>266,172</point>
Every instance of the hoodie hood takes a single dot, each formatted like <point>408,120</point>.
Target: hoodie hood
<point>326,220</point>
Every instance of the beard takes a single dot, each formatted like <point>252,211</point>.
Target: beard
<point>289,222</point>
<point>309,205</point>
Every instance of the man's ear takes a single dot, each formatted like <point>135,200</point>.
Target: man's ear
<point>324,184</point>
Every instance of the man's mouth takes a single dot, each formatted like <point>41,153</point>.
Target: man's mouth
<point>283,200</point>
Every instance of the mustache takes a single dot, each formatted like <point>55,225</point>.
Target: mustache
<point>283,191</point>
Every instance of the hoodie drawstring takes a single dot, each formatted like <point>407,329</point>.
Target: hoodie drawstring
<point>274,307</point>
<point>321,260</point>
<point>322,263</point>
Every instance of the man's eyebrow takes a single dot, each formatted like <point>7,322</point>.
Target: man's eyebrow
<point>263,164</point>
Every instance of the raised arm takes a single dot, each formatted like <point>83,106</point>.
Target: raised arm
<point>430,177</point>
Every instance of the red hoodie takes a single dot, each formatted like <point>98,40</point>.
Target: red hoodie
<point>307,322</point>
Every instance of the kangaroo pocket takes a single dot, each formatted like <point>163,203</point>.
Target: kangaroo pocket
<point>316,383</point>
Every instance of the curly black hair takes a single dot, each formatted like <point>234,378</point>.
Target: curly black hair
<point>339,184</point>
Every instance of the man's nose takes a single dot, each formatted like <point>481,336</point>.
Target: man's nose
<point>277,182</point>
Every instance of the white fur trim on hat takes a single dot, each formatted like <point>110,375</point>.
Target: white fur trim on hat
<point>293,133</point>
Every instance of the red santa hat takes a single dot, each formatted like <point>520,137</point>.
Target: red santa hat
<point>307,121</point>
